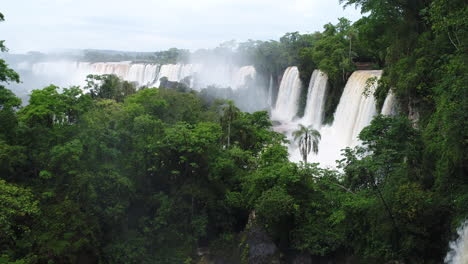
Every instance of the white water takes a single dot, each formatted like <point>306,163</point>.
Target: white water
<point>173,73</point>
<point>74,73</point>
<point>354,112</point>
<point>314,110</point>
<point>270,92</point>
<point>389,106</point>
<point>242,76</point>
<point>288,96</point>
<point>66,73</point>
<point>458,253</point>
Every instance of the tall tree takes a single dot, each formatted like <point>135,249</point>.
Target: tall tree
<point>229,113</point>
<point>308,139</point>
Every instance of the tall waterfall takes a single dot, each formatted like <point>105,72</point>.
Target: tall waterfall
<point>270,92</point>
<point>458,253</point>
<point>314,110</point>
<point>354,112</point>
<point>389,105</point>
<point>288,96</point>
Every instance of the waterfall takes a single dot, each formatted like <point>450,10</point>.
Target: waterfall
<point>354,112</point>
<point>150,75</point>
<point>245,91</point>
<point>67,73</point>
<point>135,73</point>
<point>288,96</point>
<point>314,110</point>
<point>170,71</point>
<point>270,92</point>
<point>175,72</point>
<point>74,73</point>
<point>54,68</point>
<point>389,105</point>
<point>458,253</point>
<point>242,75</point>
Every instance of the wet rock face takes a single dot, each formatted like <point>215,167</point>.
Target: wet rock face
<point>260,247</point>
<point>303,259</point>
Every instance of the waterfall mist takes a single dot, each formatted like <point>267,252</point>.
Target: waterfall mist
<point>218,75</point>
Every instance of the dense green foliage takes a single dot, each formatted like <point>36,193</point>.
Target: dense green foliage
<point>116,175</point>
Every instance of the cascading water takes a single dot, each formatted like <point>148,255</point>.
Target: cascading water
<point>170,71</point>
<point>136,73</point>
<point>270,92</point>
<point>288,96</point>
<point>355,111</point>
<point>458,253</point>
<point>389,105</point>
<point>66,73</point>
<point>314,110</point>
<point>74,73</point>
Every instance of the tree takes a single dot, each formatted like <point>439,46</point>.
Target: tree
<point>6,74</point>
<point>308,139</point>
<point>109,86</point>
<point>229,113</point>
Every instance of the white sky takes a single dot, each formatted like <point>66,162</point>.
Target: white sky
<point>151,25</point>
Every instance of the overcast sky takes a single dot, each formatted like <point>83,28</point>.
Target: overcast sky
<point>150,25</point>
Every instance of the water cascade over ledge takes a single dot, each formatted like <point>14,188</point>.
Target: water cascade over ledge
<point>314,110</point>
<point>289,91</point>
<point>389,106</point>
<point>355,111</point>
<point>458,253</point>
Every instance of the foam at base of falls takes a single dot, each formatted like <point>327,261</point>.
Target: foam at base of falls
<point>458,253</point>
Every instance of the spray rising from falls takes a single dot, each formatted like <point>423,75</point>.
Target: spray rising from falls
<point>458,253</point>
<point>74,73</point>
<point>248,93</point>
<point>288,96</point>
<point>148,74</point>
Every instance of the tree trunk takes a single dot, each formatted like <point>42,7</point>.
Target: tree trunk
<point>229,134</point>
